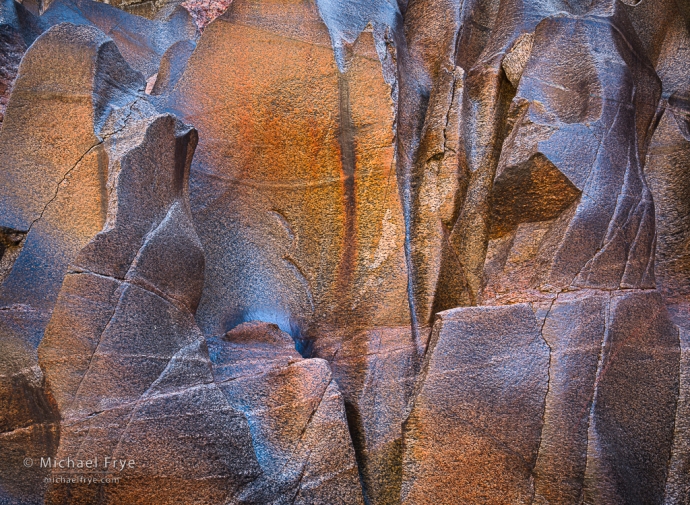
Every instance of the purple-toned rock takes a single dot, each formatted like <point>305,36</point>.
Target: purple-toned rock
<point>18,30</point>
<point>414,258</point>
<point>577,402</point>
<point>634,407</point>
<point>574,329</point>
<point>475,422</point>
<point>568,157</point>
<point>141,41</point>
<point>52,202</point>
<point>609,418</point>
<point>678,480</point>
<point>296,416</point>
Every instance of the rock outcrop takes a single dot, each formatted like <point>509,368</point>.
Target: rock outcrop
<point>295,197</point>
<point>473,431</point>
<point>366,251</point>
<point>18,29</point>
<point>296,416</point>
<point>527,407</point>
<point>142,275</point>
<point>52,196</point>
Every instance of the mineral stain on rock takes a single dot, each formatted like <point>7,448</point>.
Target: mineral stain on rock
<point>345,252</point>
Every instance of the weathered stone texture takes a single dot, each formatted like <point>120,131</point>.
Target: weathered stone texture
<point>18,29</point>
<point>296,165</point>
<point>375,370</point>
<point>614,362</point>
<point>422,253</point>
<point>678,483</point>
<point>53,204</point>
<point>296,416</point>
<point>295,193</point>
<point>123,356</point>
<point>575,402</point>
<point>475,422</point>
<point>141,41</point>
<point>631,425</point>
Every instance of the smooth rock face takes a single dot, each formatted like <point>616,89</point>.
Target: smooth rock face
<point>123,356</point>
<point>574,329</point>
<point>422,253</point>
<point>613,372</point>
<point>474,427</point>
<point>54,178</point>
<point>678,482</point>
<point>296,416</point>
<point>594,239</point>
<point>516,406</point>
<point>296,165</point>
<point>296,201</point>
<point>52,196</point>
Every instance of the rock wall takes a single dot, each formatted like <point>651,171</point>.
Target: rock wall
<point>319,252</point>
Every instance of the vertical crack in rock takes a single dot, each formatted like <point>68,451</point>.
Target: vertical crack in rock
<point>300,135</point>
<point>633,468</point>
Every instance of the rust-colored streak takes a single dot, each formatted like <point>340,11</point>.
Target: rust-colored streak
<point>346,139</point>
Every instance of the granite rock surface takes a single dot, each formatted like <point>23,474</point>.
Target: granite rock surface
<point>345,252</point>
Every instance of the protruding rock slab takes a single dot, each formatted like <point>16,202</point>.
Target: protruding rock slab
<point>375,369</point>
<point>53,178</point>
<point>122,355</point>
<point>567,123</point>
<point>475,423</point>
<point>141,41</point>
<point>296,416</point>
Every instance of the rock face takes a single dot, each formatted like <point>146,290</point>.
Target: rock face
<point>296,416</point>
<point>304,182</point>
<point>52,201</point>
<point>141,42</point>
<point>473,431</point>
<point>296,201</point>
<point>344,252</point>
<point>590,238</point>
<point>375,370</point>
<point>678,483</point>
<point>18,29</point>
<point>122,348</point>
<point>509,407</point>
